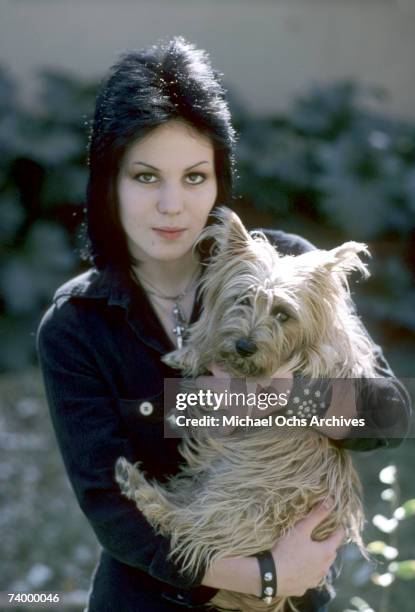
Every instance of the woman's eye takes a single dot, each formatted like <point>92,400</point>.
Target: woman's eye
<point>195,178</point>
<point>280,315</point>
<point>146,178</point>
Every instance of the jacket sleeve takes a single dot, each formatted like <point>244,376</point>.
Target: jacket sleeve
<point>383,402</point>
<point>90,439</point>
<point>385,405</point>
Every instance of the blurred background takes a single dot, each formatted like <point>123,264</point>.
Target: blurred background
<point>323,99</point>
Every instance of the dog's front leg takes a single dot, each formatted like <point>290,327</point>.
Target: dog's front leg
<point>149,497</point>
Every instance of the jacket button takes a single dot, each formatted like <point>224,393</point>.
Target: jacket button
<point>146,408</point>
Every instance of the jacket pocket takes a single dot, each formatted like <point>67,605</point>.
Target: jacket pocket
<point>144,428</point>
<point>142,411</point>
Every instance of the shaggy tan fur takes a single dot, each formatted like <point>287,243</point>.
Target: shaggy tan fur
<point>238,494</point>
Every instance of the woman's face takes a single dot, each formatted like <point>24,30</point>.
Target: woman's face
<point>166,188</point>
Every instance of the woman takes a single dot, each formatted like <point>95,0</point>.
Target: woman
<point>161,157</point>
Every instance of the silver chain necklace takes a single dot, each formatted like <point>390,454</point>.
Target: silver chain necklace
<point>180,322</point>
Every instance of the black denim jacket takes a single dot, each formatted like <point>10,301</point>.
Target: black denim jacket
<point>99,347</point>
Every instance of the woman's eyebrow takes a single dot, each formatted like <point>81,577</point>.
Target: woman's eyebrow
<point>158,170</point>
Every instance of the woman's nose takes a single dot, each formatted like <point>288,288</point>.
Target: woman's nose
<point>171,200</point>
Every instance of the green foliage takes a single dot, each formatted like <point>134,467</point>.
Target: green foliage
<point>406,510</point>
<point>396,569</point>
<point>42,189</point>
<point>328,169</point>
<point>333,170</point>
<point>384,581</point>
<point>359,604</point>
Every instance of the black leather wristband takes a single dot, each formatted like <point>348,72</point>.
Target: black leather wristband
<point>268,573</point>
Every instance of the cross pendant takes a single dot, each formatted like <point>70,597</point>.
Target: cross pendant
<point>178,331</point>
<point>178,314</point>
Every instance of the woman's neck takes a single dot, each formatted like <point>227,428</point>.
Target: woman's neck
<point>168,277</point>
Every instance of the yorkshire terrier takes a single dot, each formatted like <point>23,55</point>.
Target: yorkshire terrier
<point>237,494</point>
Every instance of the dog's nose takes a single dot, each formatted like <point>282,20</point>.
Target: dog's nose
<point>245,347</point>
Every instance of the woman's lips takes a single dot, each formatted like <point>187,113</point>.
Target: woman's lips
<point>169,234</point>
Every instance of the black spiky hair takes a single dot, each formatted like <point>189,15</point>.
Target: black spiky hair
<point>143,90</point>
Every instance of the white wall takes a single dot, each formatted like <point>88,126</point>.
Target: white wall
<point>269,50</point>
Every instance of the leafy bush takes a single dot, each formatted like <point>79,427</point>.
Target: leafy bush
<point>328,169</point>
<point>42,186</point>
<point>334,171</point>
<point>386,581</point>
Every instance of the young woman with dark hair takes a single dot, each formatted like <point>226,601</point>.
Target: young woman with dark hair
<point>160,159</point>
<point>145,90</point>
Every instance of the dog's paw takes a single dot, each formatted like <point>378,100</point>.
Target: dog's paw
<point>123,474</point>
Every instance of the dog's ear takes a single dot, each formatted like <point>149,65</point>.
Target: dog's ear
<point>346,259</point>
<point>227,235</point>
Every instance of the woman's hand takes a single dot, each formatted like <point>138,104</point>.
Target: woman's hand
<point>300,561</point>
<point>221,383</point>
<point>280,382</point>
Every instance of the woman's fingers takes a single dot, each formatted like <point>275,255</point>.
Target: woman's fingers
<point>301,561</point>
<point>315,517</point>
<point>336,539</point>
<point>331,544</point>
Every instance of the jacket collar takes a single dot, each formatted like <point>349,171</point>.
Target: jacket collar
<point>117,288</point>
<point>109,284</point>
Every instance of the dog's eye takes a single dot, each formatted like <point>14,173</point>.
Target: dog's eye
<point>280,315</point>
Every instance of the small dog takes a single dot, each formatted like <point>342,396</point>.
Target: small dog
<point>237,494</point>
